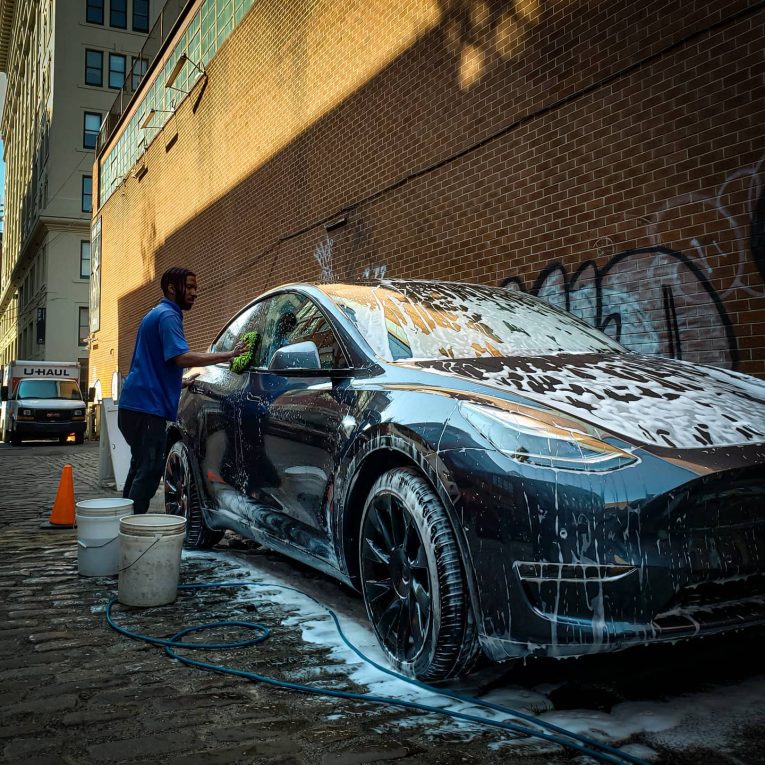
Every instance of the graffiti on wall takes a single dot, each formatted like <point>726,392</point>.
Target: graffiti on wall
<point>758,234</point>
<point>375,272</point>
<point>722,225</point>
<point>323,254</point>
<point>663,301</point>
<point>651,300</point>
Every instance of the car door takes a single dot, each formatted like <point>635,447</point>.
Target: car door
<point>213,401</point>
<point>292,427</point>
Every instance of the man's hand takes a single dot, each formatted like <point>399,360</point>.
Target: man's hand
<point>192,359</point>
<point>188,379</point>
<point>240,348</point>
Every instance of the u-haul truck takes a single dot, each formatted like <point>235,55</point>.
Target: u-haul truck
<point>42,399</point>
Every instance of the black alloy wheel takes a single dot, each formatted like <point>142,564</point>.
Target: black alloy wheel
<point>182,498</point>
<point>412,579</point>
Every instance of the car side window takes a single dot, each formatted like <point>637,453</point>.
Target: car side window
<point>293,318</point>
<point>311,325</point>
<point>247,321</point>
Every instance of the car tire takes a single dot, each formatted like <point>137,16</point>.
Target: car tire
<point>182,498</point>
<point>79,439</point>
<point>413,581</point>
<point>15,439</point>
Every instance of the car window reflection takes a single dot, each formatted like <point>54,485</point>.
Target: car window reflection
<point>293,318</point>
<point>247,321</point>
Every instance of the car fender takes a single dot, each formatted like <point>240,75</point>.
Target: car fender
<point>400,447</point>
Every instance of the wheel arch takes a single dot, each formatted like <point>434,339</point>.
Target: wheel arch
<point>383,453</point>
<point>174,434</point>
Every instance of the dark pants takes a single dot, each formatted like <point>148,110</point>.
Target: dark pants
<point>145,434</point>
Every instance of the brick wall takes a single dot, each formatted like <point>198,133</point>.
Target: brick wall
<point>608,156</point>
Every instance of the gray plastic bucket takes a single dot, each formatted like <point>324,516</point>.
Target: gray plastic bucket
<point>150,558</point>
<point>98,526</point>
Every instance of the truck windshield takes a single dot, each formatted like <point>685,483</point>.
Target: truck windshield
<point>48,389</point>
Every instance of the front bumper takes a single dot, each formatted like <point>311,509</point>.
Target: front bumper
<point>570,564</point>
<point>33,429</point>
<point>576,613</point>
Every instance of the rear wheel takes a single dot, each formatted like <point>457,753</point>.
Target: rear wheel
<point>182,498</point>
<point>413,581</point>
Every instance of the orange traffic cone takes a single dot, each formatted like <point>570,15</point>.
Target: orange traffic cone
<point>62,515</point>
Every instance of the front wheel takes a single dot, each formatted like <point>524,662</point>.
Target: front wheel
<point>413,581</point>
<point>182,498</point>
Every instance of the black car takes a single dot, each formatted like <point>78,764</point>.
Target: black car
<point>492,473</point>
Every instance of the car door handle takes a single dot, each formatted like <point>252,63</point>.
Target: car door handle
<point>194,388</point>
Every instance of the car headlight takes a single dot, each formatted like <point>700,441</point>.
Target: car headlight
<point>26,412</point>
<point>78,413</point>
<point>548,439</point>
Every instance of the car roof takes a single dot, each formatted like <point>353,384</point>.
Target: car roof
<point>317,286</point>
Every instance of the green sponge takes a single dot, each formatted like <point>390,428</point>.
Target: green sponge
<point>241,363</point>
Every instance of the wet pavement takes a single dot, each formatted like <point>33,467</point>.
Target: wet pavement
<point>72,690</point>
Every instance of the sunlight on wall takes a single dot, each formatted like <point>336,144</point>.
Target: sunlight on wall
<point>478,34</point>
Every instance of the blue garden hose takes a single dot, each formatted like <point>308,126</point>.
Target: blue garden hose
<point>553,733</point>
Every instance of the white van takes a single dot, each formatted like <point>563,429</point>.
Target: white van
<point>42,399</point>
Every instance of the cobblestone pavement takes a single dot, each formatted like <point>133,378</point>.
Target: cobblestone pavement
<point>74,691</point>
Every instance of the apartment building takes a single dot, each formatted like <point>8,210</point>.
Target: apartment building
<point>608,157</point>
<point>65,60</point>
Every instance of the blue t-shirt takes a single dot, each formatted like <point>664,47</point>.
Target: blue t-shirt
<point>153,384</point>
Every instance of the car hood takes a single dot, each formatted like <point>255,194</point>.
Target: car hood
<point>646,399</point>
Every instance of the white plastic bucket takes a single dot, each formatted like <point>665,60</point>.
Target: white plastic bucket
<point>150,558</point>
<point>98,527</point>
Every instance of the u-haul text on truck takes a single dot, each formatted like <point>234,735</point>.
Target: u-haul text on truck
<point>42,399</point>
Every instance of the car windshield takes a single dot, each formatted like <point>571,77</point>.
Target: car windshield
<point>49,389</point>
<point>431,320</point>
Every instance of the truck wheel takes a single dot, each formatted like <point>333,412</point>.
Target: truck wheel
<point>79,438</point>
<point>15,439</point>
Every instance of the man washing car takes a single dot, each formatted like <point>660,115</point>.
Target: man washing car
<point>152,389</point>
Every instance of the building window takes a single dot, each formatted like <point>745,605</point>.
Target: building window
<point>84,259</point>
<point>91,126</point>
<point>138,69</point>
<point>140,15</point>
<point>94,13</point>
<point>116,70</point>
<point>84,326</point>
<point>118,13</point>
<point>94,68</point>
<point>87,193</point>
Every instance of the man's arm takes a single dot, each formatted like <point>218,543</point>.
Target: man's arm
<point>194,359</point>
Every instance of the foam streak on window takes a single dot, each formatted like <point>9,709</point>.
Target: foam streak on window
<point>430,320</point>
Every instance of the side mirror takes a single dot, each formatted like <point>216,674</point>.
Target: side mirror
<point>91,395</point>
<point>304,356</point>
<point>4,393</point>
